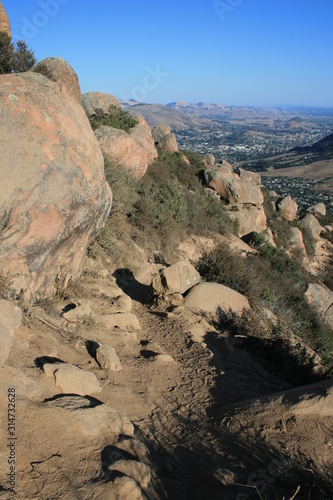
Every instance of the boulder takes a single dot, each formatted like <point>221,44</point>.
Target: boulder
<point>107,358</point>
<point>134,447</point>
<point>249,219</point>
<point>237,245</point>
<point>71,379</point>
<point>224,183</point>
<point>194,247</point>
<point>93,101</point>
<point>312,226</point>
<point>288,208</point>
<point>95,421</point>
<point>318,210</point>
<point>273,195</point>
<point>138,471</point>
<point>296,244</point>
<point>54,194</point>
<point>4,21</point>
<point>242,187</point>
<point>159,132</point>
<point>320,297</point>
<point>6,343</point>
<point>177,278</point>
<point>142,135</point>
<point>168,144</point>
<point>226,166</point>
<point>209,298</point>
<point>102,421</point>
<point>165,140</point>
<point>10,320</point>
<point>248,176</point>
<point>268,237</point>
<point>209,160</point>
<point>77,313</point>
<point>123,150</point>
<point>58,70</point>
<point>10,316</point>
<point>120,304</point>
<point>125,321</point>
<point>126,487</point>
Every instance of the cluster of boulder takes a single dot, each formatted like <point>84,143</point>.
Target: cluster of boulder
<point>132,151</point>
<point>241,191</point>
<point>180,286</point>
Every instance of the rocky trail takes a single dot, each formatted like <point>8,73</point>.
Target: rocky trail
<point>118,398</point>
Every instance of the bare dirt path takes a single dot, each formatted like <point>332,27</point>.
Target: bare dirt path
<point>197,451</point>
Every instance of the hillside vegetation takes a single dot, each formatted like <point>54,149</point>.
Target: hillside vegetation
<point>170,203</point>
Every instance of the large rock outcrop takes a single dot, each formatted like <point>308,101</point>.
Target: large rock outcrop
<point>311,226</point>
<point>318,210</point>
<point>58,70</point>
<point>241,190</point>
<point>164,139</point>
<point>235,187</point>
<point>296,245</point>
<point>123,150</point>
<point>177,278</point>
<point>132,151</point>
<point>288,208</point>
<point>54,196</point>
<point>212,298</point>
<point>141,133</point>
<point>94,101</point>
<point>4,21</point>
<point>249,219</point>
<point>321,298</point>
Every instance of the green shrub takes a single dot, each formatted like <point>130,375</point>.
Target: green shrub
<point>116,118</point>
<point>15,57</point>
<point>271,280</point>
<point>5,283</point>
<point>43,69</point>
<point>173,201</point>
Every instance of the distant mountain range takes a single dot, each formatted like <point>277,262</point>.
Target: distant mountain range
<point>182,115</point>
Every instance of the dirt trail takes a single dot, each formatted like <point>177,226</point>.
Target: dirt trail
<point>196,451</point>
<point>216,424</point>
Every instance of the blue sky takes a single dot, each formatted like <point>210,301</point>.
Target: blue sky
<point>233,52</point>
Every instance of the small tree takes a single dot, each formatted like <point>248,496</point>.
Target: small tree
<point>6,54</point>
<point>15,57</point>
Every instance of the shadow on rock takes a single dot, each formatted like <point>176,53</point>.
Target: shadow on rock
<point>126,280</point>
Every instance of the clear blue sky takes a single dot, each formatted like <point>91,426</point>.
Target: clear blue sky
<point>233,52</point>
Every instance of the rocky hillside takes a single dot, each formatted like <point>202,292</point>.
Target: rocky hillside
<point>178,344</point>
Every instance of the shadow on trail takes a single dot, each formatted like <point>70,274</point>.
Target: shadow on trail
<point>207,461</point>
<point>126,280</point>
<point>214,458</point>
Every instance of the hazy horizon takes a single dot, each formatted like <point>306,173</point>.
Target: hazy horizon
<point>232,52</point>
